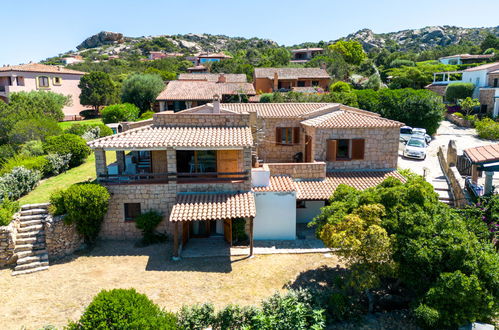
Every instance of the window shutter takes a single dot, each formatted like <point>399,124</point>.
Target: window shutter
<point>278,135</point>
<point>296,135</point>
<point>358,148</point>
<point>331,150</point>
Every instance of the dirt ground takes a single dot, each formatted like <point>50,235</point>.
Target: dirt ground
<point>60,294</point>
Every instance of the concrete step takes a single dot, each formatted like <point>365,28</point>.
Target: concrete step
<point>30,223</point>
<point>32,228</point>
<point>33,233</point>
<point>34,264</point>
<point>28,271</point>
<point>25,218</point>
<point>30,253</point>
<point>44,257</point>
<point>35,206</point>
<point>26,240</point>
<point>441,189</point>
<point>34,212</point>
<point>29,247</point>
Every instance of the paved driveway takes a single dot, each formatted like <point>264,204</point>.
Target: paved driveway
<point>430,167</point>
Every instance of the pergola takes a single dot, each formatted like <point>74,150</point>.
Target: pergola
<point>484,158</point>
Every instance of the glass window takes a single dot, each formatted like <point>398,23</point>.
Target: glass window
<point>343,151</point>
<point>43,81</point>
<point>57,80</point>
<point>300,84</point>
<point>20,81</point>
<point>315,83</point>
<point>287,135</point>
<point>132,210</point>
<point>196,161</point>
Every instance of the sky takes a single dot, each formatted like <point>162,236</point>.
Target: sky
<point>33,30</point>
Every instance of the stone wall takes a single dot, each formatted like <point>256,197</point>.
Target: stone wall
<point>60,239</point>
<point>381,147</point>
<point>458,121</point>
<point>271,152</point>
<point>491,78</point>
<point>487,97</point>
<point>7,244</point>
<point>316,170</point>
<point>456,181</point>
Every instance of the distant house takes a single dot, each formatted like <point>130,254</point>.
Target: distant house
<point>72,59</point>
<point>197,69</point>
<point>159,55</point>
<point>215,77</point>
<point>465,59</point>
<point>41,77</point>
<point>267,80</point>
<point>304,54</point>
<point>202,58</point>
<point>186,93</point>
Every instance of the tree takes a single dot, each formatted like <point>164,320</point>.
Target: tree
<point>468,104</point>
<point>97,90</point>
<point>120,112</point>
<point>340,86</point>
<point>490,41</point>
<point>459,91</point>
<point>33,129</point>
<point>38,104</point>
<point>351,51</point>
<point>142,90</point>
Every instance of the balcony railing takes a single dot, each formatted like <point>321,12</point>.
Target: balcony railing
<point>148,178</point>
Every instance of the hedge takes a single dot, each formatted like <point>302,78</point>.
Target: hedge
<point>68,144</point>
<point>120,112</point>
<point>459,91</point>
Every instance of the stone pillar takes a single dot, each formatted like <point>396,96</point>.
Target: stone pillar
<point>175,242</point>
<point>489,176</point>
<point>171,156</point>
<point>120,160</point>
<point>251,236</point>
<point>474,174</point>
<point>100,162</point>
<point>452,153</point>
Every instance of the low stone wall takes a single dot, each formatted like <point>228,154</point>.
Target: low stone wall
<point>7,244</point>
<point>458,121</point>
<point>316,170</point>
<point>61,239</point>
<point>457,183</point>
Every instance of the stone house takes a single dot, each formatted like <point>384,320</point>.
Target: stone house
<point>41,77</point>
<point>268,80</point>
<point>304,55</point>
<point>206,166</point>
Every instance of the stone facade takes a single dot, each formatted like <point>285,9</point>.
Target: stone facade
<point>7,244</point>
<point>487,97</point>
<point>201,119</point>
<point>60,239</point>
<point>381,147</point>
<point>316,170</point>
<point>267,147</point>
<point>492,78</point>
<point>458,121</point>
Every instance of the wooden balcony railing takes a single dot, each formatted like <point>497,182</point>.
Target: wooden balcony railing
<point>147,178</point>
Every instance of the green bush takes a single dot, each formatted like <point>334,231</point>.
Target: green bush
<point>119,112</point>
<point>18,182</point>
<point>33,129</point>
<point>37,163</point>
<point>339,87</point>
<point>266,98</point>
<point>124,309</point>
<point>146,115</point>
<point>196,316</point>
<point>85,205</point>
<point>458,91</point>
<point>68,144</point>
<point>458,114</point>
<point>89,114</point>
<point>32,148</point>
<point>236,317</point>
<point>147,223</point>
<point>7,210</point>
<point>399,63</point>
<point>81,129</point>
<point>487,129</point>
<point>56,164</point>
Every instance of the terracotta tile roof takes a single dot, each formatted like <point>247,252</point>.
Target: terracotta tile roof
<point>43,68</point>
<point>291,73</point>
<point>483,154</point>
<point>489,67</point>
<point>208,206</point>
<point>323,189</point>
<point>279,110</point>
<point>202,90</point>
<point>213,77</point>
<point>350,119</point>
<point>468,56</point>
<point>159,137</point>
<point>279,183</point>
<point>306,49</point>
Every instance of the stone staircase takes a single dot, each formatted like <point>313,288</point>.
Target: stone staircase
<point>443,190</point>
<point>30,240</point>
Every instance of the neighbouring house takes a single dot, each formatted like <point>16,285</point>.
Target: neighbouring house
<point>202,58</point>
<point>183,94</point>
<point>157,55</point>
<point>215,77</point>
<point>272,165</point>
<point>304,55</point>
<point>268,80</point>
<point>73,59</point>
<point>465,59</point>
<point>41,77</point>
<point>197,69</point>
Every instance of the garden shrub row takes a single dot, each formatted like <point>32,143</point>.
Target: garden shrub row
<point>7,210</point>
<point>487,129</point>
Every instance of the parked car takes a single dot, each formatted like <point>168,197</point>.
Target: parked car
<point>421,132</point>
<point>415,148</point>
<point>405,133</point>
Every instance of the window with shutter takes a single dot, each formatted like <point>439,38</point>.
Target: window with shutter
<point>331,150</point>
<point>284,135</point>
<point>296,135</point>
<point>343,149</point>
<point>278,135</point>
<point>358,149</point>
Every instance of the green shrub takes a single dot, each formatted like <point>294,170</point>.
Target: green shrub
<point>81,129</point>
<point>487,129</point>
<point>32,148</point>
<point>18,182</point>
<point>120,112</point>
<point>124,309</point>
<point>458,91</point>
<point>399,63</point>
<point>68,144</point>
<point>33,129</point>
<point>147,223</point>
<point>56,164</point>
<point>458,114</point>
<point>236,317</point>
<point>266,98</point>
<point>7,210</point>
<point>340,87</point>
<point>146,115</point>
<point>6,151</point>
<point>196,316</point>
<point>85,205</point>
<point>57,206</point>
<point>89,114</point>
<point>37,163</point>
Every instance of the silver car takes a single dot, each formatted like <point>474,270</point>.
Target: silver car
<point>421,133</point>
<point>415,148</point>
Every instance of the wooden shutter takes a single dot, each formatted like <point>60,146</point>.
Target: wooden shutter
<point>358,148</point>
<point>332,145</point>
<point>296,135</point>
<point>228,161</point>
<point>278,135</point>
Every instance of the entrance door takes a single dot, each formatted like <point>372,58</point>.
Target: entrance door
<point>199,229</point>
<point>228,231</point>
<point>308,149</point>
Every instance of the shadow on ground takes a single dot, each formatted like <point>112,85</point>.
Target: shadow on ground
<point>318,279</point>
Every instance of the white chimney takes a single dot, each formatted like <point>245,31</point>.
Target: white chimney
<point>216,103</point>
<point>260,177</point>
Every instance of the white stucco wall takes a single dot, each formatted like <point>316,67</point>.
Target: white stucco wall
<point>472,76</point>
<point>275,216</point>
<point>311,210</point>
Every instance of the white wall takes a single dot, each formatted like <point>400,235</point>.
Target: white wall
<point>471,77</point>
<point>275,216</point>
<point>311,210</point>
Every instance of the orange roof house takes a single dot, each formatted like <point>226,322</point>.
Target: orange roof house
<point>267,80</point>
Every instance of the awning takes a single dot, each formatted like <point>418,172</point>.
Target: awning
<point>483,154</point>
<point>211,206</point>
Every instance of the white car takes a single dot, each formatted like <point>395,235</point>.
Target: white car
<point>421,133</point>
<point>415,148</point>
<point>405,133</point>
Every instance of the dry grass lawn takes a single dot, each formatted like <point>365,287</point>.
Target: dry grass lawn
<point>61,293</point>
